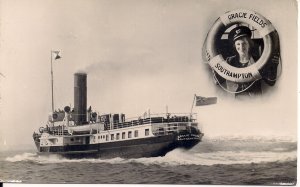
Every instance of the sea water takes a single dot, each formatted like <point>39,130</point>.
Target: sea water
<point>218,160</point>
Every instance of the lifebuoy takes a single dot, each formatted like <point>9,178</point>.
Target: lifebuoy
<point>265,29</point>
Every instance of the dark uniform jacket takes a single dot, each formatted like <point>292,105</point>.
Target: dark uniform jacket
<point>268,73</point>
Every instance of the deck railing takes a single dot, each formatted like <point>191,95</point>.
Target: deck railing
<point>154,119</point>
<point>56,130</point>
<point>169,128</point>
<point>174,119</point>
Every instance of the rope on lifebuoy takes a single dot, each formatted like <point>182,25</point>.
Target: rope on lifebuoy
<point>264,28</point>
<point>279,73</point>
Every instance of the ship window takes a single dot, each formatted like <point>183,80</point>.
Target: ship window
<point>98,137</point>
<point>146,132</point>
<point>112,136</point>
<point>129,134</point>
<point>118,136</point>
<point>123,135</point>
<point>72,139</point>
<point>136,133</point>
<point>106,137</point>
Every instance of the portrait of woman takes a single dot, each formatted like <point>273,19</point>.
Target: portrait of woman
<point>243,45</point>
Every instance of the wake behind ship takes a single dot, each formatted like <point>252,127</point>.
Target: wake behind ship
<point>80,133</point>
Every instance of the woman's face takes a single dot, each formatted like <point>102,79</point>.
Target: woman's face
<point>242,46</point>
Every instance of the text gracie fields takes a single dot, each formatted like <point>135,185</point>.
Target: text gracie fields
<point>252,17</point>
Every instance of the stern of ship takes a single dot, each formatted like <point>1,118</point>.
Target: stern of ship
<point>188,138</point>
<point>184,131</point>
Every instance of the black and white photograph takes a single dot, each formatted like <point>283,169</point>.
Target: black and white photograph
<point>185,92</point>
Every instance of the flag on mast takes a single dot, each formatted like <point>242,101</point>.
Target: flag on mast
<point>201,101</point>
<point>56,55</point>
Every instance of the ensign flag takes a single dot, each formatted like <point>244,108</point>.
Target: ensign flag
<point>200,101</point>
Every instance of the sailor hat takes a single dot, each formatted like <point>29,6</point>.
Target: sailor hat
<point>239,32</point>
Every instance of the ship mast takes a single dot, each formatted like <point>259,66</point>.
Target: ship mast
<point>52,83</point>
<point>56,57</point>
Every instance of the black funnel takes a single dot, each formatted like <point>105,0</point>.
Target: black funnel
<point>80,98</point>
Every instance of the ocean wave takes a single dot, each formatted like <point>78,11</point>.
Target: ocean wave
<point>173,158</point>
<point>54,158</point>
<point>182,157</point>
<point>253,138</point>
<point>245,145</point>
<point>22,157</point>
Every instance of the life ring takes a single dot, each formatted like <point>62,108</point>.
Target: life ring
<point>265,29</point>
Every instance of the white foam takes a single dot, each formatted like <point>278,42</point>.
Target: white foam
<point>49,159</point>
<point>21,157</point>
<point>181,157</point>
<point>177,157</point>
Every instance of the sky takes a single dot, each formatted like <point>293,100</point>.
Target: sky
<point>139,55</point>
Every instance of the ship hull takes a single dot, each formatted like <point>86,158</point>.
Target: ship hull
<point>145,147</point>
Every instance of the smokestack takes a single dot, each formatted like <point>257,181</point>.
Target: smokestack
<point>80,98</point>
